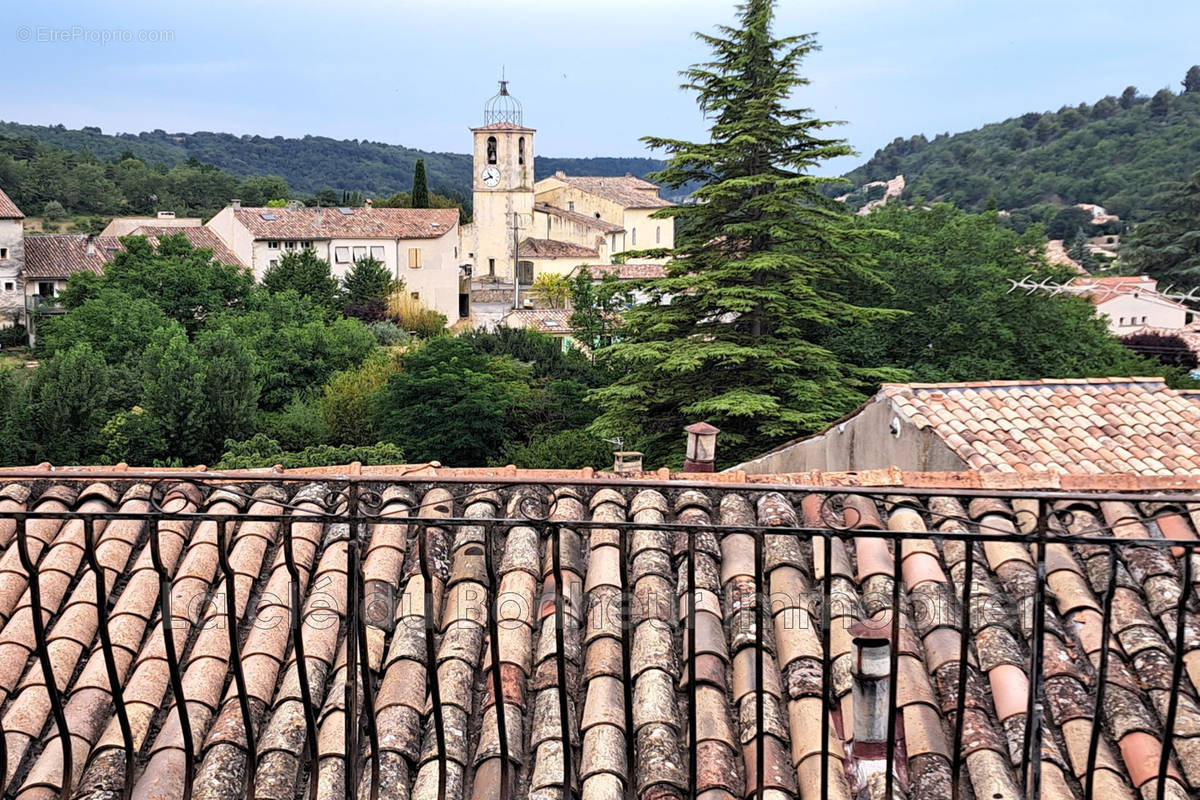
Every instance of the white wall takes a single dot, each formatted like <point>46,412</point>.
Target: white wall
<point>12,238</point>
<point>1126,313</point>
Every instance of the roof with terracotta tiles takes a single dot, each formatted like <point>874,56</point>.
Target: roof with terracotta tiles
<point>547,320</point>
<point>8,209</point>
<point>1101,290</point>
<point>626,191</point>
<point>551,248</point>
<point>1131,425</point>
<point>619,679</point>
<point>60,255</point>
<point>580,219</point>
<point>625,272</point>
<point>350,223</point>
<point>200,237</point>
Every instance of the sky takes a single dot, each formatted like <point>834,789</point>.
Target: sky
<point>593,75</point>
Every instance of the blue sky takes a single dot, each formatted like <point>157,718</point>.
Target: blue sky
<point>593,75</point>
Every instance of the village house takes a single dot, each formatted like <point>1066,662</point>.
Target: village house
<point>1069,426</point>
<point>12,261</point>
<point>553,225</point>
<point>1131,302</point>
<point>416,245</point>
<point>123,226</point>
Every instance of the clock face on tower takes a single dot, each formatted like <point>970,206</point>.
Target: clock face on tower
<point>490,176</point>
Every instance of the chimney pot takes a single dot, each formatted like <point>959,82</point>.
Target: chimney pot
<point>368,202</point>
<point>701,447</point>
<point>236,203</point>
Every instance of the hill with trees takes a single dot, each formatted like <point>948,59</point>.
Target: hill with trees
<point>1115,152</point>
<point>309,164</point>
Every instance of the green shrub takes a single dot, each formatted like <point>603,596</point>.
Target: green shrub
<point>14,336</point>
<point>389,334</point>
<point>263,451</point>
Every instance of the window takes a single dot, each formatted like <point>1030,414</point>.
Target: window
<point>304,245</point>
<point>525,272</point>
<point>570,205</point>
<point>273,244</point>
<point>491,266</point>
<point>274,262</point>
<point>3,253</point>
<point>9,286</point>
<point>633,239</point>
<point>360,253</point>
<point>341,255</point>
<point>456,251</point>
<point>658,234</point>
<point>491,150</point>
<point>521,151</point>
<point>46,289</point>
<point>414,258</point>
<point>289,245</point>
<point>1143,320</point>
<point>415,295</point>
<point>614,243</point>
<point>377,252</point>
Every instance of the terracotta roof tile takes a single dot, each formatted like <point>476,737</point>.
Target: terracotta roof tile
<point>580,219</point>
<point>59,255</point>
<point>359,223</point>
<point>618,680</point>
<point>8,209</point>
<point>551,248</point>
<point>626,272</point>
<point>626,191</point>
<point>1074,425</point>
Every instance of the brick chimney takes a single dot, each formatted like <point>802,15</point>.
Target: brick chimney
<point>701,447</point>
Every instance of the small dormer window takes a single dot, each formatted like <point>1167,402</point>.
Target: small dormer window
<point>521,151</point>
<point>491,149</point>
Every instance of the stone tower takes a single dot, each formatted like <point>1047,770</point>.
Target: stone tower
<point>502,187</point>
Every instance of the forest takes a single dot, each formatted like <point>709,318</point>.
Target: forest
<point>1115,152</point>
<point>310,164</point>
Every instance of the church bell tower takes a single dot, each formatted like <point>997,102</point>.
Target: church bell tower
<point>502,186</point>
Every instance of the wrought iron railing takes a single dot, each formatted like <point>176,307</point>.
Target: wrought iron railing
<point>823,516</point>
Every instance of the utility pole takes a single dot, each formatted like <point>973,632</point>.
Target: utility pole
<point>516,229</point>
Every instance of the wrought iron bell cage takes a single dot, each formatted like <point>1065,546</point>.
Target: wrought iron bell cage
<point>503,108</point>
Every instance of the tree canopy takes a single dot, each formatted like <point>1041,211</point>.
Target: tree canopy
<point>1167,245</point>
<point>760,262</point>
<point>949,272</point>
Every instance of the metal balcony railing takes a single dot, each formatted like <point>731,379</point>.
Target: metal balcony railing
<point>350,509</point>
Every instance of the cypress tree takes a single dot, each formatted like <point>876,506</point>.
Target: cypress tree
<point>759,261</point>
<point>420,188</point>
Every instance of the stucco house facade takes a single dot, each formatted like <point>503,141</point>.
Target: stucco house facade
<point>12,262</point>
<point>417,245</point>
<point>1128,303</point>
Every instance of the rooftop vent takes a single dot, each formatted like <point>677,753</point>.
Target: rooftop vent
<point>627,461</point>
